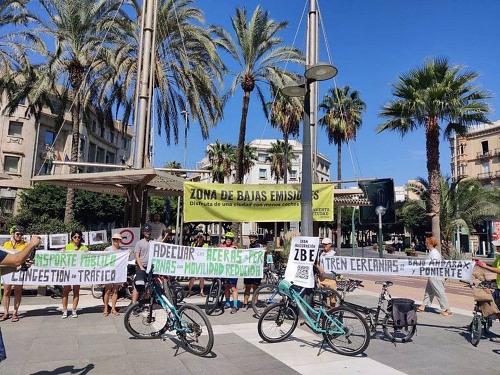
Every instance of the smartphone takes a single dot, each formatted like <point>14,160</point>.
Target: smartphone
<point>24,267</point>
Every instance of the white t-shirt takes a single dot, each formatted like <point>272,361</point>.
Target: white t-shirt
<point>434,254</point>
<point>157,229</point>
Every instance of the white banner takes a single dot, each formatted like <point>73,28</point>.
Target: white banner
<point>299,269</point>
<point>451,269</point>
<point>73,268</point>
<point>177,260</point>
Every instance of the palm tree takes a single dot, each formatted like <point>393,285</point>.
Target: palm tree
<point>187,69</point>
<point>249,158</point>
<point>258,52</point>
<point>343,118</point>
<point>280,157</point>
<point>221,158</point>
<point>427,96</point>
<point>286,114</point>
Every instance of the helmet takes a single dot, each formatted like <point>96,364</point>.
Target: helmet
<point>146,228</point>
<point>253,234</point>
<point>229,235</point>
<point>17,228</point>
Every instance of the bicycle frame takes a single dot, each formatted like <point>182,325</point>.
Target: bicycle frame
<point>162,299</point>
<point>372,314</point>
<point>308,310</point>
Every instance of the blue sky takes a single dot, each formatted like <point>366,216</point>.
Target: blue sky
<point>371,43</point>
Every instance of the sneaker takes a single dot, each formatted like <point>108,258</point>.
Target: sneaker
<point>247,307</point>
<point>234,310</point>
<point>74,314</point>
<point>65,314</point>
<point>227,305</point>
<point>495,339</point>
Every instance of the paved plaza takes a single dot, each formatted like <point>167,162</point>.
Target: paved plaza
<point>43,343</point>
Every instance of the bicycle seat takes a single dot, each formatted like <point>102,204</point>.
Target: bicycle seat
<point>385,283</point>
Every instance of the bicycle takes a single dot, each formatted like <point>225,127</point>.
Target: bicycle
<point>154,314</point>
<point>266,294</point>
<point>480,323</point>
<point>397,333</point>
<point>344,329</point>
<point>215,296</point>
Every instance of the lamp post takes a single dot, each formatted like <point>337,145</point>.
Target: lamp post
<point>380,211</point>
<point>316,72</point>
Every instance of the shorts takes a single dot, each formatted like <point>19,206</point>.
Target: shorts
<point>231,282</point>
<point>251,281</point>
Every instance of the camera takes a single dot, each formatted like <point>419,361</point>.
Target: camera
<point>24,267</point>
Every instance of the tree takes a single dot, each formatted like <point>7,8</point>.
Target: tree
<point>249,158</point>
<point>343,117</point>
<point>221,158</point>
<point>427,96</point>
<point>258,52</point>
<point>280,157</point>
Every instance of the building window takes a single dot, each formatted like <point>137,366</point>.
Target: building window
<point>484,147</point>
<point>94,126</point>
<point>485,167</point>
<point>262,174</point>
<point>7,206</point>
<point>462,149</point>
<point>103,131</point>
<point>15,129</point>
<point>82,147</point>
<point>293,174</point>
<point>124,143</point>
<point>112,136</point>
<point>262,157</point>
<point>49,138</point>
<point>46,168</point>
<point>56,107</point>
<point>110,158</point>
<point>11,164</point>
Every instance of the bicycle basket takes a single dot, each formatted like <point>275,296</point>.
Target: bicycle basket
<point>346,285</point>
<point>284,287</point>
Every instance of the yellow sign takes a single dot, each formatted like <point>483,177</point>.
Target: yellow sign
<point>259,203</point>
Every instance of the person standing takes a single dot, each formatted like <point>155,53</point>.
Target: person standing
<point>251,284</point>
<point>324,282</point>
<point>141,257</point>
<point>230,285</point>
<point>112,288</point>
<point>199,242</point>
<point>158,229</point>
<point>74,245</point>
<point>435,285</point>
<point>16,243</point>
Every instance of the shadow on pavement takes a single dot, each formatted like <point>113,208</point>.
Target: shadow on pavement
<point>67,370</point>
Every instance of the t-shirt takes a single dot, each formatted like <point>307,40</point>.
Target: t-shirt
<point>19,245</point>
<point>157,230</point>
<point>71,247</point>
<point>142,248</point>
<point>496,264</point>
<point>434,254</point>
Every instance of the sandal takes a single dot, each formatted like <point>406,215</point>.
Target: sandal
<point>4,317</point>
<point>421,309</point>
<point>105,313</point>
<point>202,295</point>
<point>15,318</point>
<point>115,313</point>
<point>447,313</point>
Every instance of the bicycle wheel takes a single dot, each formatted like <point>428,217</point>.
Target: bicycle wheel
<point>356,336</point>
<point>475,330</point>
<point>146,320</point>
<point>97,290</point>
<point>214,297</point>
<point>277,322</point>
<point>265,295</point>
<point>199,336</point>
<point>397,334</point>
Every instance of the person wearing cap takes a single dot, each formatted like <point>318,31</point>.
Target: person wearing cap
<point>16,243</point>
<point>323,282</point>
<point>116,239</point>
<point>199,242</point>
<point>251,284</point>
<point>230,288</point>
<point>141,252</point>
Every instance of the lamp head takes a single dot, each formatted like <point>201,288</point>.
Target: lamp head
<point>321,72</point>
<point>380,210</point>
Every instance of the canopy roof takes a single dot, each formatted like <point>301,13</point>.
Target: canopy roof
<point>116,182</point>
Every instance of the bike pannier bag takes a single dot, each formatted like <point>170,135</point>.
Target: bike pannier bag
<point>404,312</point>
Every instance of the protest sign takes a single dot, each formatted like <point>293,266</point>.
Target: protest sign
<point>178,260</point>
<point>73,268</point>
<point>451,269</point>
<point>300,266</point>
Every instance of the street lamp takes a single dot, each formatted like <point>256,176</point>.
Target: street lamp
<point>380,211</point>
<point>316,72</point>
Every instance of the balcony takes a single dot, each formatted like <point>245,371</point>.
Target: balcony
<point>497,151</point>
<point>483,155</point>
<point>485,176</point>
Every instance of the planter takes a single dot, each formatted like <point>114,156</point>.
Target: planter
<point>413,254</point>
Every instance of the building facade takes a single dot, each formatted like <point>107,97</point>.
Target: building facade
<point>477,155</point>
<point>28,149</point>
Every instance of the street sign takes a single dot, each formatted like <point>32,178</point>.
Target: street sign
<point>380,193</point>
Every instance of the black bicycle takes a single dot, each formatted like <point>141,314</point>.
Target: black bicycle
<point>215,297</point>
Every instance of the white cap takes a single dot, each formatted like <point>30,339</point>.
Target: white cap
<point>326,240</point>
<point>117,236</point>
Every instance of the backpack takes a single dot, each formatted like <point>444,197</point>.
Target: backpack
<point>404,312</point>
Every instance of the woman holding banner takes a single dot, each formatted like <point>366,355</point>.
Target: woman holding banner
<point>435,285</point>
<point>230,288</point>
<point>74,245</point>
<point>112,288</point>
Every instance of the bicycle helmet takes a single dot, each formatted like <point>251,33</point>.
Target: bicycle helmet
<point>253,234</point>
<point>17,228</point>
<point>229,235</point>
<point>146,228</point>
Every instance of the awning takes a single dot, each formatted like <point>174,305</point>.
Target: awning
<point>116,182</point>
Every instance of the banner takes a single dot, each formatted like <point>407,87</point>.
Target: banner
<point>299,269</point>
<point>73,268</point>
<point>450,269</point>
<point>259,203</point>
<point>178,260</point>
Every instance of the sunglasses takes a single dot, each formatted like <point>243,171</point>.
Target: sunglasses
<point>76,237</point>
<point>18,234</point>
<point>116,239</point>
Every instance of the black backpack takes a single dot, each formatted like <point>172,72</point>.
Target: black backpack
<point>404,312</point>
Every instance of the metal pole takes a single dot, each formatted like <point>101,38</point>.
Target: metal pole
<point>352,230</point>
<point>455,154</point>
<point>380,242</point>
<point>306,216</point>
<point>185,113</point>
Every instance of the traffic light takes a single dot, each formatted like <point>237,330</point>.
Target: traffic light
<point>380,193</point>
